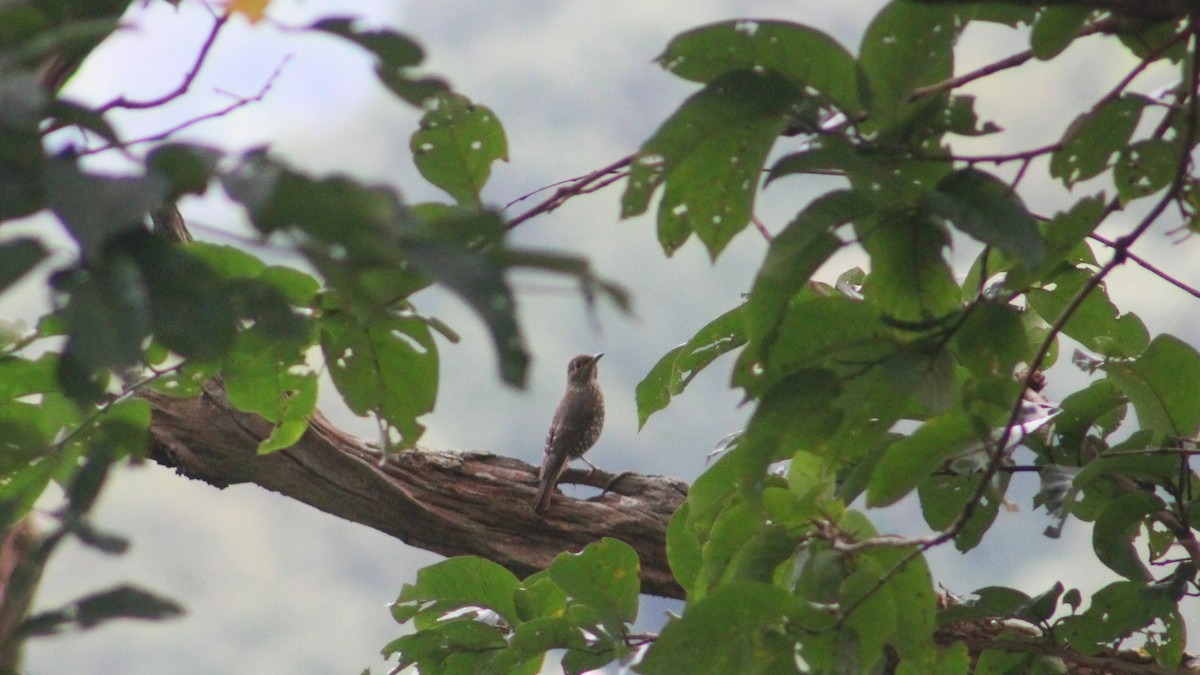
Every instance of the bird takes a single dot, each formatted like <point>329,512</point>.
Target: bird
<point>576,426</point>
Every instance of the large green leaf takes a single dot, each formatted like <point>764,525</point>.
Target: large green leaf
<point>606,575</point>
<point>1095,323</point>
<point>794,255</point>
<point>96,208</point>
<point>1055,28</point>
<point>1115,529</point>
<point>1095,137</point>
<point>268,376</point>
<point>909,461</point>
<point>910,280</point>
<point>187,168</point>
<point>1153,384</point>
<point>986,208</point>
<point>991,340</point>
<point>710,154</point>
<point>456,145</point>
<point>1145,167</point>
<point>465,581</point>
<point>736,629</point>
<point>907,45</point>
<point>675,370</point>
<point>386,365</point>
<point>800,53</point>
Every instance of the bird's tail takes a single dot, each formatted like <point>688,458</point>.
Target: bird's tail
<point>552,468</point>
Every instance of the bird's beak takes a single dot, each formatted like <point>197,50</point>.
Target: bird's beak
<point>597,356</point>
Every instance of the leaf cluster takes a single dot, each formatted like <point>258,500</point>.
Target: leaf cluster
<point>906,378</point>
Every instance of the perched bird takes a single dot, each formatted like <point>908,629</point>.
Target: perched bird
<point>576,426</point>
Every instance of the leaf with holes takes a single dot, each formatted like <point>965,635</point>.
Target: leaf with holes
<point>710,154</point>
<point>456,145</point>
<point>1152,383</point>
<point>802,54</point>
<point>1094,137</point>
<point>675,370</point>
<point>386,365</point>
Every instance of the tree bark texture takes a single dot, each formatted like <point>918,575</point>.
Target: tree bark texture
<point>452,503</point>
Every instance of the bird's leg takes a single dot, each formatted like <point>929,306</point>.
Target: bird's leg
<point>593,467</point>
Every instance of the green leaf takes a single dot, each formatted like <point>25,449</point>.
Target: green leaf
<point>464,581</point>
<point>1096,136</point>
<point>266,376</point>
<point>387,366</point>
<point>191,311</point>
<point>910,280</point>
<point>991,340</point>
<point>925,371</point>
<point>735,629</point>
<point>1115,529</point>
<point>1095,322</point>
<point>822,331</point>
<point>481,283</point>
<point>874,621</point>
<point>906,46</point>
<point>991,602</point>
<point>540,597</point>
<point>1115,612</point>
<point>94,209</point>
<point>675,370</point>
<point>909,461</point>
<point>456,145</point>
<point>683,549</point>
<point>121,602</point>
<point>17,257</point>
<point>793,256</point>
<point>187,168</point>
<point>284,435</point>
<point>396,55</point>
<point>959,118</point>
<point>802,54</point>
<point>1055,28</point>
<point>987,209</point>
<point>1145,167</point>
<point>710,154</point>
<point>1100,404</point>
<point>69,113</point>
<point>461,647</point>
<point>605,575</point>
<point>107,313</point>
<point>1152,383</point>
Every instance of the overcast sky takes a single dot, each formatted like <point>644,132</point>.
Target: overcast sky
<point>273,586</point>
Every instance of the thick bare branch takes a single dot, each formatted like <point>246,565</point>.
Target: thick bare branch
<point>452,503</point>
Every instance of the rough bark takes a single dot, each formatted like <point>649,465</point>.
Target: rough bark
<point>453,503</point>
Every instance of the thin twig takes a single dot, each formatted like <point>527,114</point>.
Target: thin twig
<point>239,102</point>
<point>762,229</point>
<point>569,188</point>
<point>122,102</point>
<point>1149,267</point>
<point>956,82</point>
<point>1003,64</point>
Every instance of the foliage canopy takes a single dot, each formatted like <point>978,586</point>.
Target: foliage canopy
<point>896,380</point>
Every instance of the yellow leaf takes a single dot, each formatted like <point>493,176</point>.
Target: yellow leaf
<point>252,9</point>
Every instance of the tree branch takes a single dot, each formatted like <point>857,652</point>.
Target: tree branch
<point>452,503</point>
<point>184,86</point>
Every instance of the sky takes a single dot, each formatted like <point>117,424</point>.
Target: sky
<point>273,586</point>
